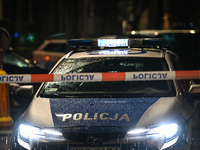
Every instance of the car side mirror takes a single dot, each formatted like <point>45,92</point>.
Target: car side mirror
<point>194,90</point>
<point>25,91</point>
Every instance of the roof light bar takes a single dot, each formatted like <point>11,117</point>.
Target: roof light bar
<point>112,42</point>
<point>143,42</point>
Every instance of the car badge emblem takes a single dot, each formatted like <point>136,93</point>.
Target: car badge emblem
<point>93,140</point>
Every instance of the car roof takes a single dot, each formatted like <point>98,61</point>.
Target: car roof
<point>132,52</point>
<point>156,32</point>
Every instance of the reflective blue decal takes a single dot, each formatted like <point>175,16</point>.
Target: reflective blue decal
<point>98,111</point>
<point>115,52</point>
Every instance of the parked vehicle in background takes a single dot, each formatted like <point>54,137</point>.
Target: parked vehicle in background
<point>49,52</point>
<point>154,33</point>
<point>13,63</point>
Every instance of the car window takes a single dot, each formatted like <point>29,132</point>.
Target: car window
<point>10,58</point>
<point>122,89</point>
<point>55,47</point>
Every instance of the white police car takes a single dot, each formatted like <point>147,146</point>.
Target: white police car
<point>83,113</point>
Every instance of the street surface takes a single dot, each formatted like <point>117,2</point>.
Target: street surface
<point>5,138</point>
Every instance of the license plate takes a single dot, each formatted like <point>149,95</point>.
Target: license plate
<point>95,148</point>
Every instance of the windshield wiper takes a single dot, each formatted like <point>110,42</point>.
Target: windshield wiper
<point>77,95</point>
<point>55,95</point>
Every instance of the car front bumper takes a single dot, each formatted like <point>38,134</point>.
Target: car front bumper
<point>97,142</point>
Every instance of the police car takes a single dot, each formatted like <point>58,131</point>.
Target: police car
<point>82,112</point>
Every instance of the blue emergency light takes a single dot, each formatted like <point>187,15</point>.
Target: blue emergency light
<point>143,42</point>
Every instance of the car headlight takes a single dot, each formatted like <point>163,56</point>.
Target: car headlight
<point>26,131</point>
<point>28,134</point>
<point>170,131</point>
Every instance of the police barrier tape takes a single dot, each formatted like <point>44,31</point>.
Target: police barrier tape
<point>90,77</point>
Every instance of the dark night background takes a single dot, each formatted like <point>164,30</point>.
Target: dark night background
<point>30,22</point>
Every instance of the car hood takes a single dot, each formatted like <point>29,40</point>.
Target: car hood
<point>99,111</point>
<point>104,112</point>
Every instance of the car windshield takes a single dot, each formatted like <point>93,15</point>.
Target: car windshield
<point>109,88</point>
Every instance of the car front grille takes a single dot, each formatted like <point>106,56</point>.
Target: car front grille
<point>136,146</point>
<point>93,139</point>
<point>96,139</point>
<point>96,142</point>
